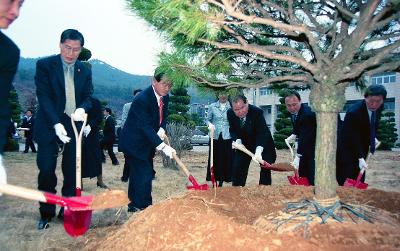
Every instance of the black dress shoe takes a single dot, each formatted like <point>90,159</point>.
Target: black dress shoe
<point>60,215</point>
<point>124,179</point>
<point>115,163</point>
<point>43,224</point>
<point>102,185</point>
<point>133,209</point>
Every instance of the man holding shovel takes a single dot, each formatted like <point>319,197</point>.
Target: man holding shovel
<point>358,134</point>
<point>63,87</point>
<point>248,127</point>
<point>304,130</point>
<point>142,135</point>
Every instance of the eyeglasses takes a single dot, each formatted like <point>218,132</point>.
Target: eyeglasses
<point>70,49</point>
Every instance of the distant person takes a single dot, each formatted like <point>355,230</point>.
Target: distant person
<point>304,125</point>
<point>358,134</point>
<point>142,135</point>
<point>217,120</point>
<point>248,127</point>
<point>91,150</point>
<point>125,111</point>
<point>27,122</point>
<point>63,87</point>
<point>9,58</point>
<point>107,143</point>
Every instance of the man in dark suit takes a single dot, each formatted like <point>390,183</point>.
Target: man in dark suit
<point>142,135</point>
<point>248,127</point>
<point>107,143</point>
<point>304,129</point>
<point>9,58</point>
<point>27,123</point>
<point>358,134</point>
<point>63,87</point>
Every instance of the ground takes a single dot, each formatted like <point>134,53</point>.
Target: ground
<point>228,219</point>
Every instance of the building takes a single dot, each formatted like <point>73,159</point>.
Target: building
<point>268,101</point>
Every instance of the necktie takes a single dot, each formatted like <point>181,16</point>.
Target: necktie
<point>242,122</point>
<point>294,117</point>
<point>372,132</point>
<point>69,90</point>
<point>161,109</point>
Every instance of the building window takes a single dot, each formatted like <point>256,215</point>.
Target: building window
<point>384,78</point>
<point>265,91</point>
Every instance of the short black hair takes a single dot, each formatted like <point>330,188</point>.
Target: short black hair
<point>136,91</point>
<point>375,90</point>
<point>292,93</point>
<point>72,35</point>
<point>239,97</point>
<point>29,110</point>
<point>107,109</point>
<point>158,74</point>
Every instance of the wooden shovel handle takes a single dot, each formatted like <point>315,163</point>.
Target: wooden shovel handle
<point>78,145</point>
<point>245,150</point>
<point>22,192</point>
<point>177,159</point>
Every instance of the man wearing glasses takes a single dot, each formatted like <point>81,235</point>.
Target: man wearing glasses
<point>63,87</point>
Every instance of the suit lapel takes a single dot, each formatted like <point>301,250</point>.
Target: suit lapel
<point>58,69</point>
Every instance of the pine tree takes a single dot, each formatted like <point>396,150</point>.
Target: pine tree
<point>179,106</point>
<point>387,131</point>
<point>12,144</point>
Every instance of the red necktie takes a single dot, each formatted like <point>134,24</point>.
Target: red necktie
<point>161,110</point>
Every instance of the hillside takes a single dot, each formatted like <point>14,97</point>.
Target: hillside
<point>110,84</point>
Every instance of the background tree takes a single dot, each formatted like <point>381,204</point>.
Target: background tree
<point>321,44</point>
<point>12,142</point>
<point>179,106</point>
<point>283,124</point>
<point>387,131</point>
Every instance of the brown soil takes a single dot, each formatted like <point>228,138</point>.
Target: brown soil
<point>110,199</point>
<point>231,219</point>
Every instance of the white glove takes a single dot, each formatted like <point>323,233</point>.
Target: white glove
<point>169,151</point>
<point>86,130</point>
<point>78,114</point>
<point>291,139</point>
<point>3,174</point>
<point>257,156</point>
<point>61,133</point>
<point>296,161</point>
<point>211,127</point>
<point>161,133</point>
<point>362,164</point>
<point>238,141</point>
<point>377,143</point>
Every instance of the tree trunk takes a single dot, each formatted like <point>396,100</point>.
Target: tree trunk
<point>327,100</point>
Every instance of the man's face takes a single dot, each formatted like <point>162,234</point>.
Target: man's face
<point>293,104</point>
<point>28,113</point>
<point>374,102</point>
<point>9,11</point>
<point>162,87</point>
<point>240,108</point>
<point>105,113</point>
<point>70,50</point>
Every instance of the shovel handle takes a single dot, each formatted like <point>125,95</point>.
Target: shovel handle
<point>177,159</point>
<point>78,146</point>
<point>245,150</point>
<point>22,192</point>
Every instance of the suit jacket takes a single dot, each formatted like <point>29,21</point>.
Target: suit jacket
<point>109,130</point>
<point>50,91</point>
<point>28,124</point>
<point>254,133</point>
<point>139,135</point>
<point>354,140</point>
<point>9,58</point>
<point>218,116</point>
<point>305,128</point>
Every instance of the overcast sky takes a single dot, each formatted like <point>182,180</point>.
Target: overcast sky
<point>112,33</point>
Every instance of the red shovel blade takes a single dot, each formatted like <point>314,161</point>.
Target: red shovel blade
<point>212,176</point>
<point>76,223</point>
<point>356,183</point>
<point>196,185</point>
<point>298,181</point>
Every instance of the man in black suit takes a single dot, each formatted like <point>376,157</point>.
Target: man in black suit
<point>27,123</point>
<point>107,143</point>
<point>248,127</point>
<point>63,87</point>
<point>9,58</point>
<point>304,129</point>
<point>358,134</point>
<point>142,135</point>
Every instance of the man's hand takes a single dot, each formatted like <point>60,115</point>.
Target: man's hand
<point>291,139</point>
<point>169,151</point>
<point>377,143</point>
<point>86,130</point>
<point>61,133</point>
<point>362,164</point>
<point>3,174</point>
<point>258,155</point>
<point>211,127</point>
<point>238,141</point>
<point>79,114</point>
<point>161,133</point>
<point>296,161</point>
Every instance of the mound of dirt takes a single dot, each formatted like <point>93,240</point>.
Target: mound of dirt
<point>228,221</point>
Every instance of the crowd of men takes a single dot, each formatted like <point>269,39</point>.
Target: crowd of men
<point>64,90</point>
